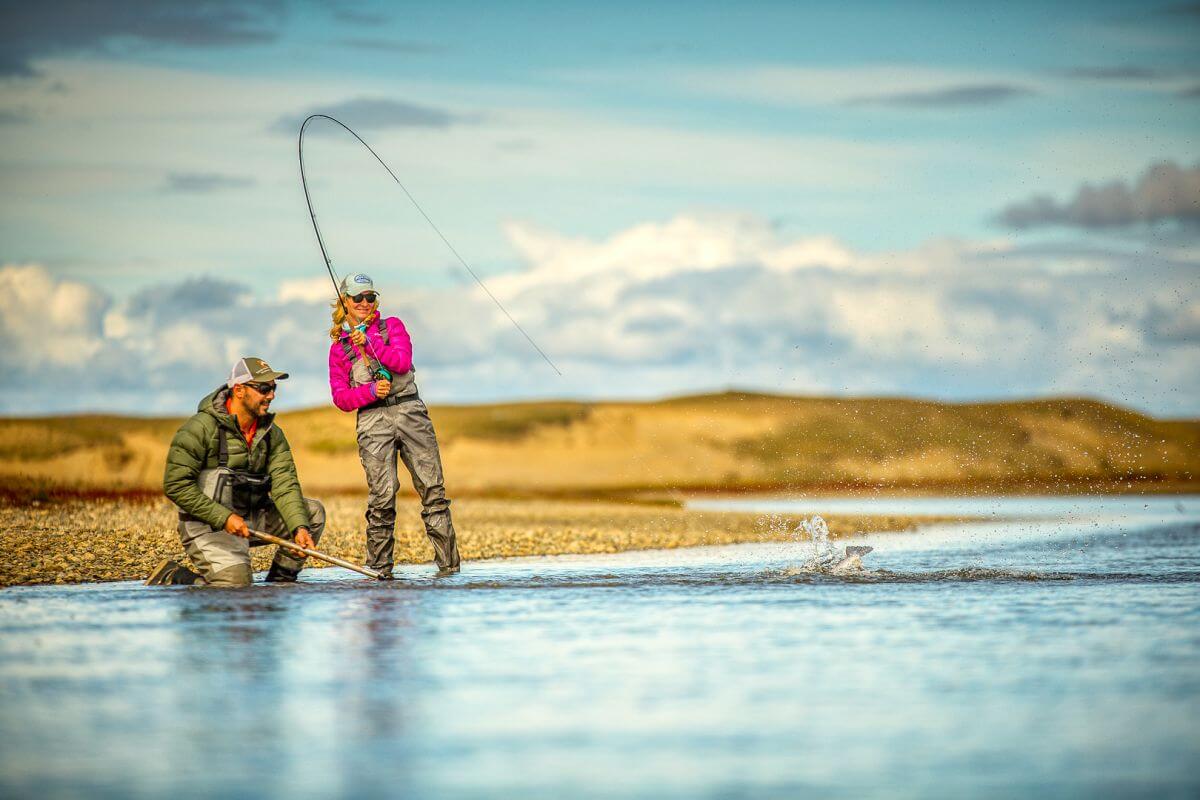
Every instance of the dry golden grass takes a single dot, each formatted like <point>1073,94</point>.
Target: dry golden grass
<point>104,540</point>
<point>727,442</point>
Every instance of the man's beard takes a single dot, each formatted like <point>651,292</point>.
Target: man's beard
<point>259,409</point>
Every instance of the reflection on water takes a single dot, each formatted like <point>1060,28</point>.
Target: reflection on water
<point>1019,657</point>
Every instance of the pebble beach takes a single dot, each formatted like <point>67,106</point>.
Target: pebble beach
<point>88,540</point>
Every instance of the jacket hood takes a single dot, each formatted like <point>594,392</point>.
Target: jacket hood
<point>214,405</point>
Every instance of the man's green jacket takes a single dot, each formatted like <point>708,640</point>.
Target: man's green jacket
<point>195,448</point>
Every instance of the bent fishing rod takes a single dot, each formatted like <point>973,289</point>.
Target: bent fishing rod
<point>325,253</point>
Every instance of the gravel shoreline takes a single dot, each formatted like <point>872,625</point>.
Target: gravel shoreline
<point>78,541</point>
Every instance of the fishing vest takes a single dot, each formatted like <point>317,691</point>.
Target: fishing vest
<point>239,490</point>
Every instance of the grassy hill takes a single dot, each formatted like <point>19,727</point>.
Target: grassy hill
<point>726,442</point>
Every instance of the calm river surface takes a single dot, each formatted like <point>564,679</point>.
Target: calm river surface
<point>1057,656</point>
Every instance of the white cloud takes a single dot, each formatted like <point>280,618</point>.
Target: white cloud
<point>655,251</point>
<point>58,323</point>
<point>738,301</point>
<point>688,304</point>
<point>306,290</point>
<point>69,346</point>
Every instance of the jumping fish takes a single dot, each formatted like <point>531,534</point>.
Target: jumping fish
<point>852,561</point>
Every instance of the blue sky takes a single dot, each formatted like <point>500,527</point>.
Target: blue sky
<point>814,198</point>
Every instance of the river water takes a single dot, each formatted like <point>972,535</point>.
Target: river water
<point>1046,652</point>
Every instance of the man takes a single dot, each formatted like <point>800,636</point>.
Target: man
<point>230,470</point>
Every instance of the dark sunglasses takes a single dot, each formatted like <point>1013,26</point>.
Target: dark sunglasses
<point>370,297</point>
<point>261,388</point>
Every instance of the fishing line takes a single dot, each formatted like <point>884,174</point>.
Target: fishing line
<point>325,254</point>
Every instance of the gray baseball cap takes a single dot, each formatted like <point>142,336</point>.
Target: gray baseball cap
<point>357,284</point>
<point>252,369</point>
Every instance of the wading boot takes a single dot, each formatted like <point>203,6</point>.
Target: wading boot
<point>446,572</point>
<point>170,572</point>
<point>277,574</point>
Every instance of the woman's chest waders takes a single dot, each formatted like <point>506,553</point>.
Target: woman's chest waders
<point>398,429</point>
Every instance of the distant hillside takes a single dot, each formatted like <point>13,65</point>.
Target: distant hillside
<point>725,442</point>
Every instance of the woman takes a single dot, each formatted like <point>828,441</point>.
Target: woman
<point>370,371</point>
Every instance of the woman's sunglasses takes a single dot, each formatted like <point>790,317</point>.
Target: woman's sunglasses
<point>370,297</point>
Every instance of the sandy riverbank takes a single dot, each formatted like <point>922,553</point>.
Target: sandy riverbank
<point>120,539</point>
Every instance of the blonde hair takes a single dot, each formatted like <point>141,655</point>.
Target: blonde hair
<point>339,316</point>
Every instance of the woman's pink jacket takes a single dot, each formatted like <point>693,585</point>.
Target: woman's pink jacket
<point>396,355</point>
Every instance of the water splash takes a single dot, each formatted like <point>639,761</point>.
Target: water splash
<point>816,531</point>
